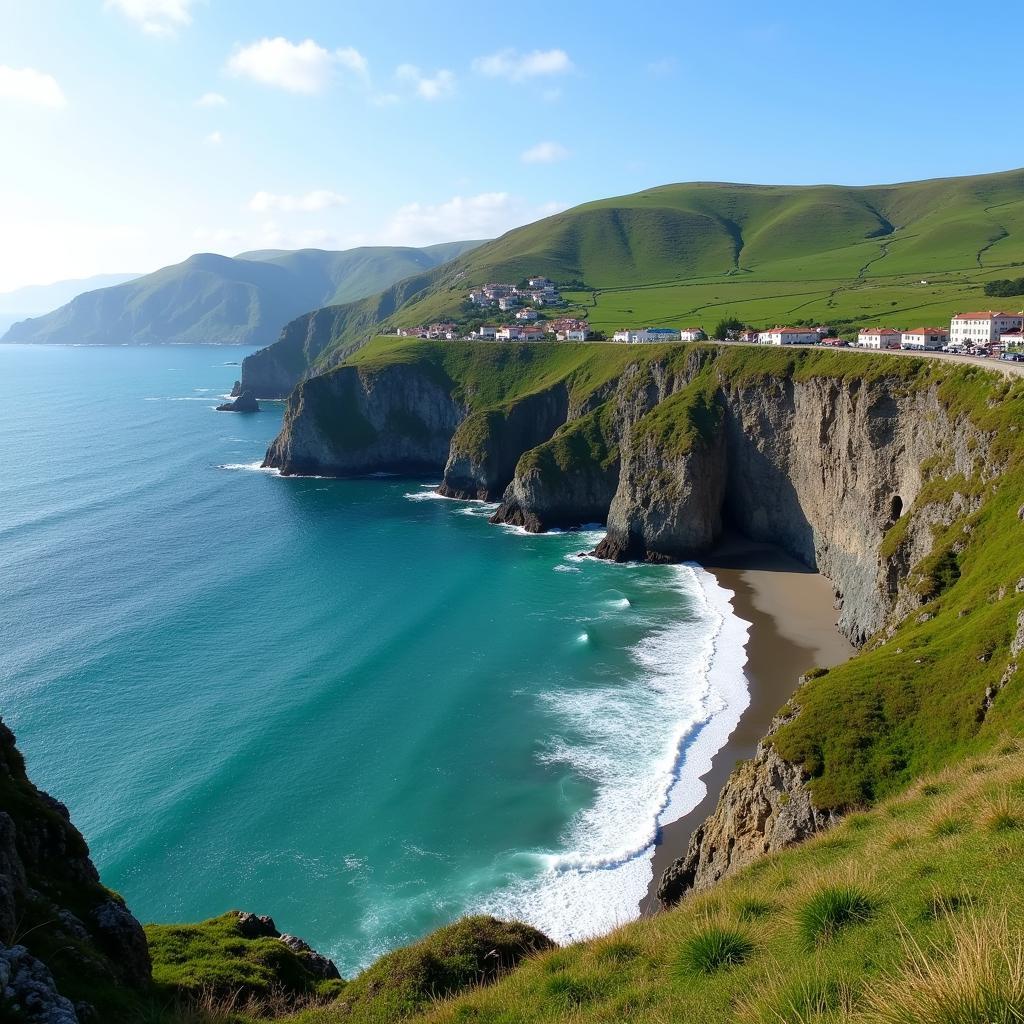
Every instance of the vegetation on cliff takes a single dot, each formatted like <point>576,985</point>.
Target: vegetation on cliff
<point>706,252</point>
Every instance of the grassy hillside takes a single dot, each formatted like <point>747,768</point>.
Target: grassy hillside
<point>695,253</point>
<point>228,300</point>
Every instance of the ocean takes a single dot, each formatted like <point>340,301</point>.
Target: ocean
<point>351,705</point>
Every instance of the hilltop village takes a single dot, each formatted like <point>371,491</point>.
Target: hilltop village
<point>528,312</point>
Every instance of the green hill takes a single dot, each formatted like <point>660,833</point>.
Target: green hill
<point>906,254</point>
<point>240,300</point>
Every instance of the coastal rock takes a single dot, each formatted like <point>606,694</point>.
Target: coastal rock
<point>320,965</point>
<point>51,898</point>
<point>245,402</point>
<point>764,806</point>
<point>350,422</point>
<point>256,926</point>
<point>487,445</point>
<point>29,993</point>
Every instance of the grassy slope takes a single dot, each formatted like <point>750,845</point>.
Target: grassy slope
<point>694,253</point>
<point>911,876</point>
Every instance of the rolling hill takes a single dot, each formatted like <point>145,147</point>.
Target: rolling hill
<point>211,299</point>
<point>904,254</point>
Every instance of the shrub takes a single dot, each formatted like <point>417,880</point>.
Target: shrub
<point>832,909</point>
<point>473,951</point>
<point>715,948</point>
<point>950,826</point>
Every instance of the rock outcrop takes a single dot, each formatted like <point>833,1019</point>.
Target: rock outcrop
<point>62,934</point>
<point>349,422</point>
<point>764,806</point>
<point>245,402</point>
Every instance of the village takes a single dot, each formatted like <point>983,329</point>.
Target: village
<point>986,333</point>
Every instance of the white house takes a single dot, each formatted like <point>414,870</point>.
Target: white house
<point>527,314</point>
<point>1012,339</point>
<point>507,302</point>
<point>511,332</point>
<point>691,334</point>
<point>788,336</point>
<point>645,335</point>
<point>574,334</point>
<point>982,328</point>
<point>878,337</point>
<point>925,338</point>
<point>536,281</point>
<point>486,331</point>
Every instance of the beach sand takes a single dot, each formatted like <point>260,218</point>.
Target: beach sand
<point>793,629</point>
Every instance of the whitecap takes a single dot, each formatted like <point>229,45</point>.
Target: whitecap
<point>567,568</point>
<point>252,467</point>
<point>644,744</point>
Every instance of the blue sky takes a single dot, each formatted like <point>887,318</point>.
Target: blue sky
<point>138,131</point>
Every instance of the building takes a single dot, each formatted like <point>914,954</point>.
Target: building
<point>788,336</point>
<point>750,337</point>
<point>691,334</point>
<point>486,331</point>
<point>574,334</point>
<point>507,302</point>
<point>1012,339</point>
<point>646,335</point>
<point>536,281</point>
<point>527,314</point>
<point>925,338</point>
<point>511,332</point>
<point>412,332</point>
<point>445,329</point>
<point>878,337</point>
<point>967,329</point>
<point>532,334</point>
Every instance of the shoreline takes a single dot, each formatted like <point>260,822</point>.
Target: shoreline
<point>792,616</point>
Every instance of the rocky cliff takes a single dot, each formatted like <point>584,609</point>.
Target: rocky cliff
<point>69,948</point>
<point>853,467</point>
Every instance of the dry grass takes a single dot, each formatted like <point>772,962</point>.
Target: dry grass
<point>978,978</point>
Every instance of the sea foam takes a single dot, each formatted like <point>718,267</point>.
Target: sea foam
<point>645,746</point>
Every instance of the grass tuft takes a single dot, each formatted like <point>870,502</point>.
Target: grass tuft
<point>977,979</point>
<point>831,910</point>
<point>715,948</point>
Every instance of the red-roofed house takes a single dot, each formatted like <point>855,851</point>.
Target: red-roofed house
<point>925,338</point>
<point>982,328</point>
<point>691,334</point>
<point>878,337</point>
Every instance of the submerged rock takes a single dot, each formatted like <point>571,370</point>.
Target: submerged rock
<point>245,402</point>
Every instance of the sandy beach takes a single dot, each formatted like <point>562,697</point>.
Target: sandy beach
<point>793,618</point>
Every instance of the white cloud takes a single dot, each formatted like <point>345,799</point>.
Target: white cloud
<point>544,153</point>
<point>157,17</point>
<point>304,67</point>
<point>481,216</point>
<point>517,67</point>
<point>349,57</point>
<point>215,138</point>
<point>26,85</point>
<point>312,202</point>
<point>428,87</point>
<point>211,99</point>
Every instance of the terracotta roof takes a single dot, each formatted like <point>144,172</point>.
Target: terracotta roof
<point>927,330</point>
<point>987,315</point>
<point>877,330</point>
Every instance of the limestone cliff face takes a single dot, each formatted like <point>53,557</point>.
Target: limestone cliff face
<point>273,372</point>
<point>487,445</point>
<point>62,934</point>
<point>764,806</point>
<point>351,422</point>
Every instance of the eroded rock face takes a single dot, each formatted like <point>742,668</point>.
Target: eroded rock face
<point>348,422</point>
<point>487,446</point>
<point>245,401</point>
<point>44,866</point>
<point>764,806</point>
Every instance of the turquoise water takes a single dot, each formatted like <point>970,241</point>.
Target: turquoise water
<point>347,704</point>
